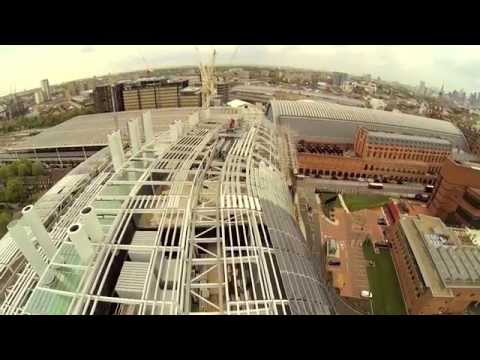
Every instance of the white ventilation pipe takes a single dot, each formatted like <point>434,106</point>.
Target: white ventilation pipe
<point>179,126</point>
<point>116,156</point>
<point>139,126</point>
<point>194,118</point>
<point>91,224</point>
<point>117,137</point>
<point>25,245</point>
<point>134,138</point>
<point>32,219</point>
<point>80,240</point>
<point>148,126</point>
<point>173,132</point>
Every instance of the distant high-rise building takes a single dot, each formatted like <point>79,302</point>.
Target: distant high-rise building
<point>102,97</point>
<point>339,78</point>
<point>153,93</point>
<point>421,89</point>
<point>442,91</point>
<point>38,97</point>
<point>223,90</point>
<point>46,89</point>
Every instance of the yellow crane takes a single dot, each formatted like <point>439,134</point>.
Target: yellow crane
<point>208,79</point>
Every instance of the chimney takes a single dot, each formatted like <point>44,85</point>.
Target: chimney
<point>148,126</point>
<point>25,245</point>
<point>32,219</point>
<point>91,224</point>
<point>80,240</point>
<point>134,136</point>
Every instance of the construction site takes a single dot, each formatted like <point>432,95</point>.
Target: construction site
<point>194,215</point>
<point>195,219</point>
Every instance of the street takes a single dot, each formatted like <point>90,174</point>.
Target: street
<point>361,187</point>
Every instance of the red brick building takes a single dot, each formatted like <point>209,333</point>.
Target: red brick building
<point>456,199</point>
<point>378,155</point>
<point>437,272</point>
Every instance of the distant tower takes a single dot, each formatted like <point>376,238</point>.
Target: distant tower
<point>46,89</point>
<point>442,91</point>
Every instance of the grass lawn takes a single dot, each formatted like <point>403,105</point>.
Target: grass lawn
<point>359,202</point>
<point>387,296</point>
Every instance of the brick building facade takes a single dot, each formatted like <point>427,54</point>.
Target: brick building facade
<point>456,199</point>
<point>378,155</point>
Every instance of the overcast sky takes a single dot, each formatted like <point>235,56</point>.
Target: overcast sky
<point>22,67</point>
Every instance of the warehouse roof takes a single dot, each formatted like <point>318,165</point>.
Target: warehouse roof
<point>92,129</point>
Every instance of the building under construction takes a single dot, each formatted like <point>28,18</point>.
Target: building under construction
<point>196,218</point>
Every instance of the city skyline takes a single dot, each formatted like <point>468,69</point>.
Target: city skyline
<point>455,66</point>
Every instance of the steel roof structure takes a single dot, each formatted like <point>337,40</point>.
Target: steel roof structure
<point>196,220</point>
<point>341,122</point>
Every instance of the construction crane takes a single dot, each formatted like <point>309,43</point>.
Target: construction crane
<point>208,79</point>
<point>148,69</point>
<point>235,52</point>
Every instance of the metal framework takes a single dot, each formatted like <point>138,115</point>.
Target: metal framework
<point>198,221</point>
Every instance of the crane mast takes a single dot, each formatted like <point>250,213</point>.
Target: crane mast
<point>209,83</point>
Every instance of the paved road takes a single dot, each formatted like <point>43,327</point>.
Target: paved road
<point>362,187</point>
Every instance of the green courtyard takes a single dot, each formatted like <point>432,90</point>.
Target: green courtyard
<point>359,202</point>
<point>387,297</point>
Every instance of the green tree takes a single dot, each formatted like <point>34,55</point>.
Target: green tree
<point>3,173</point>
<point>12,170</point>
<point>28,163</point>
<point>24,169</point>
<point>5,218</point>
<point>37,169</point>
<point>15,191</point>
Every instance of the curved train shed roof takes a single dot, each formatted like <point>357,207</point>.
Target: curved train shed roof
<point>373,119</point>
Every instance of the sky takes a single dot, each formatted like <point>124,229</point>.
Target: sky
<point>24,66</point>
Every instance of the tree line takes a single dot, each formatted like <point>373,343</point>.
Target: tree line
<point>13,190</point>
<point>41,121</point>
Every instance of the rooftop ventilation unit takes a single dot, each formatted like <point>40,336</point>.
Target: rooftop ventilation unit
<point>173,132</point>
<point>132,280</point>
<point>133,130</point>
<point>148,126</point>
<point>116,150</point>
<point>80,240</point>
<point>32,219</point>
<point>25,244</point>
<point>92,226</point>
